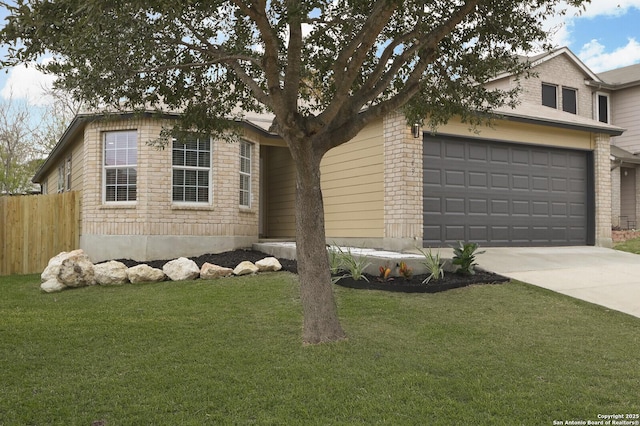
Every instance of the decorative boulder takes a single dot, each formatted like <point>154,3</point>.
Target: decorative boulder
<point>77,271</point>
<point>110,273</point>
<point>245,268</point>
<point>268,264</point>
<point>144,273</point>
<point>53,267</point>
<point>209,271</point>
<point>181,269</point>
<point>52,286</point>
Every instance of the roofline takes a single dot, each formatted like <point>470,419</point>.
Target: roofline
<point>550,55</point>
<point>612,86</point>
<point>595,128</point>
<point>80,120</point>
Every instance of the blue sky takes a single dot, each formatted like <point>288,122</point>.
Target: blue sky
<point>604,36</point>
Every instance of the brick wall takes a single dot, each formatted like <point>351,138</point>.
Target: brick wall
<point>402,184</point>
<point>154,213</point>
<point>603,189</point>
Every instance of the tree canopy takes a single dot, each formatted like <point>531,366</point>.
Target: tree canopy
<point>323,68</point>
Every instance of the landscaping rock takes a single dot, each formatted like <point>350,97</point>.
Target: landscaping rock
<point>52,286</point>
<point>144,273</point>
<point>268,264</point>
<point>181,269</point>
<point>77,271</point>
<point>209,271</point>
<point>110,273</point>
<point>53,267</point>
<point>245,268</point>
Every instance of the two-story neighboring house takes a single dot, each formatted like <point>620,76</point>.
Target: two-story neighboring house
<point>622,88</point>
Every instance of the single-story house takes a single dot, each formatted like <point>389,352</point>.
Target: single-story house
<point>535,178</point>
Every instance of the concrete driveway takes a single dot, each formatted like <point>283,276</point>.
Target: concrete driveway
<point>598,275</point>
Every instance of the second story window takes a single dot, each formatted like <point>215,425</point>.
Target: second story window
<point>602,107</point>
<point>68,174</point>
<point>61,178</point>
<point>550,95</point>
<point>570,100</point>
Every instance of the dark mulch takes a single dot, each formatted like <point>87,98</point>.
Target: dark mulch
<point>229,259</point>
<point>414,285</point>
<point>450,281</point>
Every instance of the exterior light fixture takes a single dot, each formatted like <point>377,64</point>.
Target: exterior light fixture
<point>416,130</point>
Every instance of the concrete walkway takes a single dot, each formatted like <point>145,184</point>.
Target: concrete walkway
<point>606,277</point>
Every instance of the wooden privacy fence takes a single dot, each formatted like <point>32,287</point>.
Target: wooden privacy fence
<point>35,228</point>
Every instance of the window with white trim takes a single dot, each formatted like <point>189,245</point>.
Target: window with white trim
<point>120,166</point>
<point>61,178</point>
<point>245,174</point>
<point>191,166</point>
<point>68,174</point>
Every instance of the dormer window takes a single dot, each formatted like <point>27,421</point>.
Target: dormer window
<point>550,95</point>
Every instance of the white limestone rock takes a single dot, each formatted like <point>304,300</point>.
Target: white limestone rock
<point>52,286</point>
<point>245,268</point>
<point>181,269</point>
<point>144,273</point>
<point>110,273</point>
<point>210,272</point>
<point>268,264</point>
<point>53,267</point>
<point>77,271</point>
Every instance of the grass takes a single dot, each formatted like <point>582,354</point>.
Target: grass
<point>632,246</point>
<point>229,352</point>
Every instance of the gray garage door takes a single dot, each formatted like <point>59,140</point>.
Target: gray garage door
<point>501,194</point>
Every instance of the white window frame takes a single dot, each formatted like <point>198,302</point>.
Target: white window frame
<point>245,169</point>
<point>127,165</point>
<point>68,173</point>
<point>197,169</point>
<point>61,178</point>
<point>596,106</point>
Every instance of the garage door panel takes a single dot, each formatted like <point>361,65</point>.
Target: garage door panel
<point>496,193</point>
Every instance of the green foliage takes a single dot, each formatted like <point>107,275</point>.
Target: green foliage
<point>154,355</point>
<point>434,265</point>
<point>464,256</point>
<point>631,246</point>
<point>344,261</point>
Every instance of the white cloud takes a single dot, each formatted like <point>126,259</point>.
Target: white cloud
<point>28,83</point>
<point>593,54</point>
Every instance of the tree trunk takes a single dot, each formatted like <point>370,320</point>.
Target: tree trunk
<point>321,322</point>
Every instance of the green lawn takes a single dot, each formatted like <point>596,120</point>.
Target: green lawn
<point>632,246</point>
<point>229,352</point>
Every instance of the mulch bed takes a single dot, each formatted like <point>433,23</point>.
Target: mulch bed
<point>450,281</point>
<point>414,285</point>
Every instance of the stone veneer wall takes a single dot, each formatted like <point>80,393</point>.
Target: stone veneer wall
<point>154,226</point>
<point>603,193</point>
<point>402,185</point>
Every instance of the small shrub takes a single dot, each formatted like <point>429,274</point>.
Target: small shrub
<point>464,257</point>
<point>335,259</point>
<point>405,271</point>
<point>434,266</point>
<point>354,265</point>
<point>385,274</point>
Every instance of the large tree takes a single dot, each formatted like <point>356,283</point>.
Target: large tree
<point>323,68</point>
